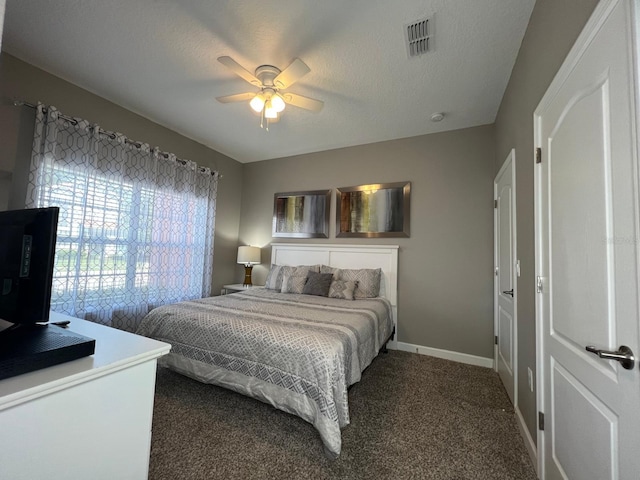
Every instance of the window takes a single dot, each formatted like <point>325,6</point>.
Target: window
<point>135,228</point>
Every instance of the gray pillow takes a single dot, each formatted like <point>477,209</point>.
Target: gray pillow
<point>367,281</point>
<point>328,269</point>
<point>342,289</point>
<point>300,270</point>
<point>274,278</point>
<point>318,284</point>
<point>292,284</point>
<point>277,273</point>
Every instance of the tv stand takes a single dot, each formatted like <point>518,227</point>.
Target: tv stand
<point>25,348</point>
<point>89,418</point>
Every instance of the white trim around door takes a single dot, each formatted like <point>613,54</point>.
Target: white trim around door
<point>505,291</point>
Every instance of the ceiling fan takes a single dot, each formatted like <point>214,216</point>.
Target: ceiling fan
<point>270,100</point>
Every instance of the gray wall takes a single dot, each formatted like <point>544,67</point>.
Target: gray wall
<point>552,31</point>
<point>26,82</point>
<point>445,267</point>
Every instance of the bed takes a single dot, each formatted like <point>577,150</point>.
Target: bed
<point>295,351</point>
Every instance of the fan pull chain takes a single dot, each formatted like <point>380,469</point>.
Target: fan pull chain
<point>262,121</point>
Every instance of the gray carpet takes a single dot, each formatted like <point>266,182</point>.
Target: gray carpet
<point>412,417</point>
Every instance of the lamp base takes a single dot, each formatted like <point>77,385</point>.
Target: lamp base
<point>247,276</point>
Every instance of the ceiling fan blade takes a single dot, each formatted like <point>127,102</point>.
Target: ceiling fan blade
<point>302,102</point>
<point>238,97</point>
<point>291,74</point>
<point>239,70</point>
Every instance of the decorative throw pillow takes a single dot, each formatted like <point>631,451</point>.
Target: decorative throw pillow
<point>292,284</point>
<point>367,281</point>
<point>274,278</point>
<point>318,284</point>
<point>342,289</point>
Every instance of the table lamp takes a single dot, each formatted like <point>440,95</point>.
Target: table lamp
<point>248,256</point>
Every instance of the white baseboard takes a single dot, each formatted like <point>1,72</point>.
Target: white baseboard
<point>446,354</point>
<point>528,440</point>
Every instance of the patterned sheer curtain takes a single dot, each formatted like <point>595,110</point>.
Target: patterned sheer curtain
<point>136,225</point>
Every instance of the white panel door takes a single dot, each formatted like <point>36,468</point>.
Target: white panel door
<point>505,281</point>
<point>587,256</point>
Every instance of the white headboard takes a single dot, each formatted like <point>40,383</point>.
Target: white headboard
<point>384,257</point>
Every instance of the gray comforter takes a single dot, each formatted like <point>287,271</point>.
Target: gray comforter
<point>299,353</point>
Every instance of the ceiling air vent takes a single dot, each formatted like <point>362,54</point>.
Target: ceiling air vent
<point>418,37</point>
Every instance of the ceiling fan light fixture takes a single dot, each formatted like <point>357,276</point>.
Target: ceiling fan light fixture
<point>269,101</point>
<point>257,102</point>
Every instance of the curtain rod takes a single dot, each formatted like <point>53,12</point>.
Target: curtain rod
<point>22,103</point>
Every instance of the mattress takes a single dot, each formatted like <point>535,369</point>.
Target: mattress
<point>300,353</point>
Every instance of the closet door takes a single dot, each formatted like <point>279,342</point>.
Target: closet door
<point>587,253</point>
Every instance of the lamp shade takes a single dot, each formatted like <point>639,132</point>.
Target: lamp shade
<point>257,102</point>
<point>269,111</point>
<point>277,103</point>
<point>249,255</point>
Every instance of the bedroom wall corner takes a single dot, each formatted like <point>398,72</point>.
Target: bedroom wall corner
<point>20,80</point>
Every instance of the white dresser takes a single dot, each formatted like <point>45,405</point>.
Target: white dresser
<point>85,419</point>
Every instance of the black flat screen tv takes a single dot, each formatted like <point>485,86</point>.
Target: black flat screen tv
<point>27,252</point>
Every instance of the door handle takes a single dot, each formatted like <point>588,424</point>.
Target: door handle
<point>508,292</point>
<point>624,355</point>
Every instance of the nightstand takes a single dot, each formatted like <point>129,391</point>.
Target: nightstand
<point>236,287</point>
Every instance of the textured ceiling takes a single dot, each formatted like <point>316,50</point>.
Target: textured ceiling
<point>158,59</point>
